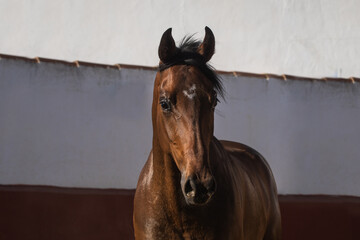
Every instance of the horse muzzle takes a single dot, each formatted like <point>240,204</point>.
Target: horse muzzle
<point>198,191</point>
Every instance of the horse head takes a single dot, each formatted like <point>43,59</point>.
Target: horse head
<point>185,96</point>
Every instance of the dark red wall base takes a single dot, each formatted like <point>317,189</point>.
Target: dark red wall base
<point>51,213</point>
<point>48,213</point>
<point>320,217</point>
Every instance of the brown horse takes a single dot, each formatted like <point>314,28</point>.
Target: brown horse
<point>194,186</point>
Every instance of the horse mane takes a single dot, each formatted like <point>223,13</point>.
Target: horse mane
<point>187,55</point>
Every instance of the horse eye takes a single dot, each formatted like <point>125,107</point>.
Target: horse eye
<point>165,105</point>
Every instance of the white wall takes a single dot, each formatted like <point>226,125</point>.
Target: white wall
<point>91,127</point>
<point>318,38</point>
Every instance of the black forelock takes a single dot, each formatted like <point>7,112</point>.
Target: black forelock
<point>187,55</point>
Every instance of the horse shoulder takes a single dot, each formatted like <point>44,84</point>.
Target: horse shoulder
<point>143,202</point>
<point>149,217</point>
<point>253,178</point>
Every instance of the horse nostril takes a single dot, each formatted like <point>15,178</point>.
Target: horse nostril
<point>198,192</point>
<point>190,188</point>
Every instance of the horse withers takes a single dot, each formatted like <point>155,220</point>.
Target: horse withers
<point>194,186</point>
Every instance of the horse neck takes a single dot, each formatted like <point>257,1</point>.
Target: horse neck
<point>163,161</point>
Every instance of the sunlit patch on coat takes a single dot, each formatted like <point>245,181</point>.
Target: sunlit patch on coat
<point>148,176</point>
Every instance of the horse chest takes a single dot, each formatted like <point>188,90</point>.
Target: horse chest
<point>169,225</point>
<point>171,231</point>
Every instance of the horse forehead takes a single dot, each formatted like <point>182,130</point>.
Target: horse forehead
<point>182,80</point>
<point>168,81</point>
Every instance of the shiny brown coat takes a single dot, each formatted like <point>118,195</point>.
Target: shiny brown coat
<point>194,186</point>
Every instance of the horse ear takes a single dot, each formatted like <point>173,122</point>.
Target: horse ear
<point>167,48</point>
<point>207,47</point>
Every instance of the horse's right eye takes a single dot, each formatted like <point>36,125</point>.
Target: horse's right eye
<point>165,105</point>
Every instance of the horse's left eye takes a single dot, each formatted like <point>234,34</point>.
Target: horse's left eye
<point>165,105</point>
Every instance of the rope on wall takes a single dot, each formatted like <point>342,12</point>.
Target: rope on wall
<point>266,76</point>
